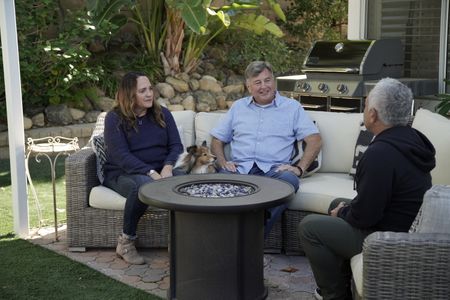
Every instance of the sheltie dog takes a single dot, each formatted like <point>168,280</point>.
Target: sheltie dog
<point>197,160</point>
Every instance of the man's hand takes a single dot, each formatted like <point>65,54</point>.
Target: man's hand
<point>334,212</point>
<point>228,165</point>
<point>286,167</point>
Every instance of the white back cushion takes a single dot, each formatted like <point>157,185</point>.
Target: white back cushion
<point>185,123</point>
<point>437,129</point>
<point>204,122</point>
<point>339,132</point>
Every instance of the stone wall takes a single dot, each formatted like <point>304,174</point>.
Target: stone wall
<point>200,92</point>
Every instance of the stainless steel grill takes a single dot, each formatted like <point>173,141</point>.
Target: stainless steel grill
<point>338,75</point>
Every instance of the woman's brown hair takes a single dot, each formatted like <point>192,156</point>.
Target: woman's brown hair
<point>126,101</point>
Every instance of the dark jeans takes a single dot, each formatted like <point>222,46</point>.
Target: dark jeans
<point>128,186</point>
<point>330,243</point>
<point>273,214</point>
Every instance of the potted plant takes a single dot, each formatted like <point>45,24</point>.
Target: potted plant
<point>443,108</point>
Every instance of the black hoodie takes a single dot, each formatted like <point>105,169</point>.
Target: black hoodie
<point>391,179</point>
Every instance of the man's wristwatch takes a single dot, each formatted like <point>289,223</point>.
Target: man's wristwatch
<point>300,169</point>
<point>151,172</point>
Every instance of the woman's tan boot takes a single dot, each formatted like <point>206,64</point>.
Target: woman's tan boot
<point>127,250</point>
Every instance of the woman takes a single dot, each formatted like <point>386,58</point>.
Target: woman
<point>142,145</point>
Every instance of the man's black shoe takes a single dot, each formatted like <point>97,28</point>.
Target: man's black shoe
<point>317,294</point>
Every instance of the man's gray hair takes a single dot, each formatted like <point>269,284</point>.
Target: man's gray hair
<point>392,100</point>
<point>256,67</point>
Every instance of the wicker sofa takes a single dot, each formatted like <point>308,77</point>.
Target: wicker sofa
<point>94,212</point>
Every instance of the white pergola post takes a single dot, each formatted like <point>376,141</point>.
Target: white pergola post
<point>16,136</point>
<point>357,22</point>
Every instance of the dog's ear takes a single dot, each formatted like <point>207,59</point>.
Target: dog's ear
<point>204,144</point>
<point>191,149</point>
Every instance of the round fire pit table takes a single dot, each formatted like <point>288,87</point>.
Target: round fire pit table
<point>216,239</point>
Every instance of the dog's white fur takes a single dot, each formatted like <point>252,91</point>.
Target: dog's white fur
<point>197,160</point>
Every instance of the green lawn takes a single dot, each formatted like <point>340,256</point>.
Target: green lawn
<point>28,271</point>
<point>40,174</point>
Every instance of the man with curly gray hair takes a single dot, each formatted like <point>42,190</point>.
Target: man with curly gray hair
<point>391,179</point>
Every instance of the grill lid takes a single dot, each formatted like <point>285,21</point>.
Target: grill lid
<point>367,57</point>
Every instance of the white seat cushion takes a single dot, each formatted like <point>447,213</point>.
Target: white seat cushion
<point>317,192</point>
<point>103,197</point>
<point>356,263</point>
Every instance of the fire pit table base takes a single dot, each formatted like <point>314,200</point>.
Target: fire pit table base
<point>216,242</point>
<point>217,256</point>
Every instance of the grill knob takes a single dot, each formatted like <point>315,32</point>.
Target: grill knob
<point>323,87</point>
<point>342,88</point>
<point>305,87</point>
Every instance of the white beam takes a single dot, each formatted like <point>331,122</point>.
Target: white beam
<point>16,136</point>
<point>357,20</point>
<point>443,42</point>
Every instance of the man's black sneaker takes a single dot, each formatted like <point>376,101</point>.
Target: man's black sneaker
<point>317,294</point>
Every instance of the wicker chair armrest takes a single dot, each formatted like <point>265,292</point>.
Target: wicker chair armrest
<point>81,177</point>
<point>406,266</point>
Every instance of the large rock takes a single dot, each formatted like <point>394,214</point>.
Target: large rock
<point>178,84</point>
<point>234,88</point>
<point>203,107</point>
<point>176,100</point>
<point>204,97</point>
<point>58,114</point>
<point>221,102</point>
<point>209,83</point>
<point>77,114</point>
<point>235,79</point>
<point>91,116</point>
<point>182,76</point>
<point>27,123</point>
<point>105,103</point>
<point>189,103</point>
<point>165,90</point>
<point>175,107</point>
<point>194,84</point>
<point>163,102</point>
<point>38,120</point>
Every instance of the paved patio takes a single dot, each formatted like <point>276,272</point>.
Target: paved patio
<point>287,277</point>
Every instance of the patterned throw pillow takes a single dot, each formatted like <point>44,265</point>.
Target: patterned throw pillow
<point>98,145</point>
<point>299,148</point>
<point>363,141</point>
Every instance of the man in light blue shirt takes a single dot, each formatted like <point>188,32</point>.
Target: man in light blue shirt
<point>262,130</point>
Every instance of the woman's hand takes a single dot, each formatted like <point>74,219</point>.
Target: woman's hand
<point>154,175</point>
<point>167,171</point>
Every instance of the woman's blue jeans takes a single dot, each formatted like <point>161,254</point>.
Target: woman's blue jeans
<point>128,186</point>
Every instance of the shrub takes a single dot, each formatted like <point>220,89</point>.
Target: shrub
<point>242,47</point>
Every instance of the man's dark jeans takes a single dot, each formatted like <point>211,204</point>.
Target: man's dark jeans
<point>329,243</point>
<point>273,214</point>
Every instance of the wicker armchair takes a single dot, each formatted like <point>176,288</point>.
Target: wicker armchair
<point>93,227</point>
<point>406,266</point>
<point>412,265</point>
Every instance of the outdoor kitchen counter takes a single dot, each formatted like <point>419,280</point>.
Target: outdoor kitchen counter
<point>216,244</point>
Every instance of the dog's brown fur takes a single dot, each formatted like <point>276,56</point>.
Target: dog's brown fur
<point>197,160</point>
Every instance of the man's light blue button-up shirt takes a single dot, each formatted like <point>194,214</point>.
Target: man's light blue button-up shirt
<point>263,135</point>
